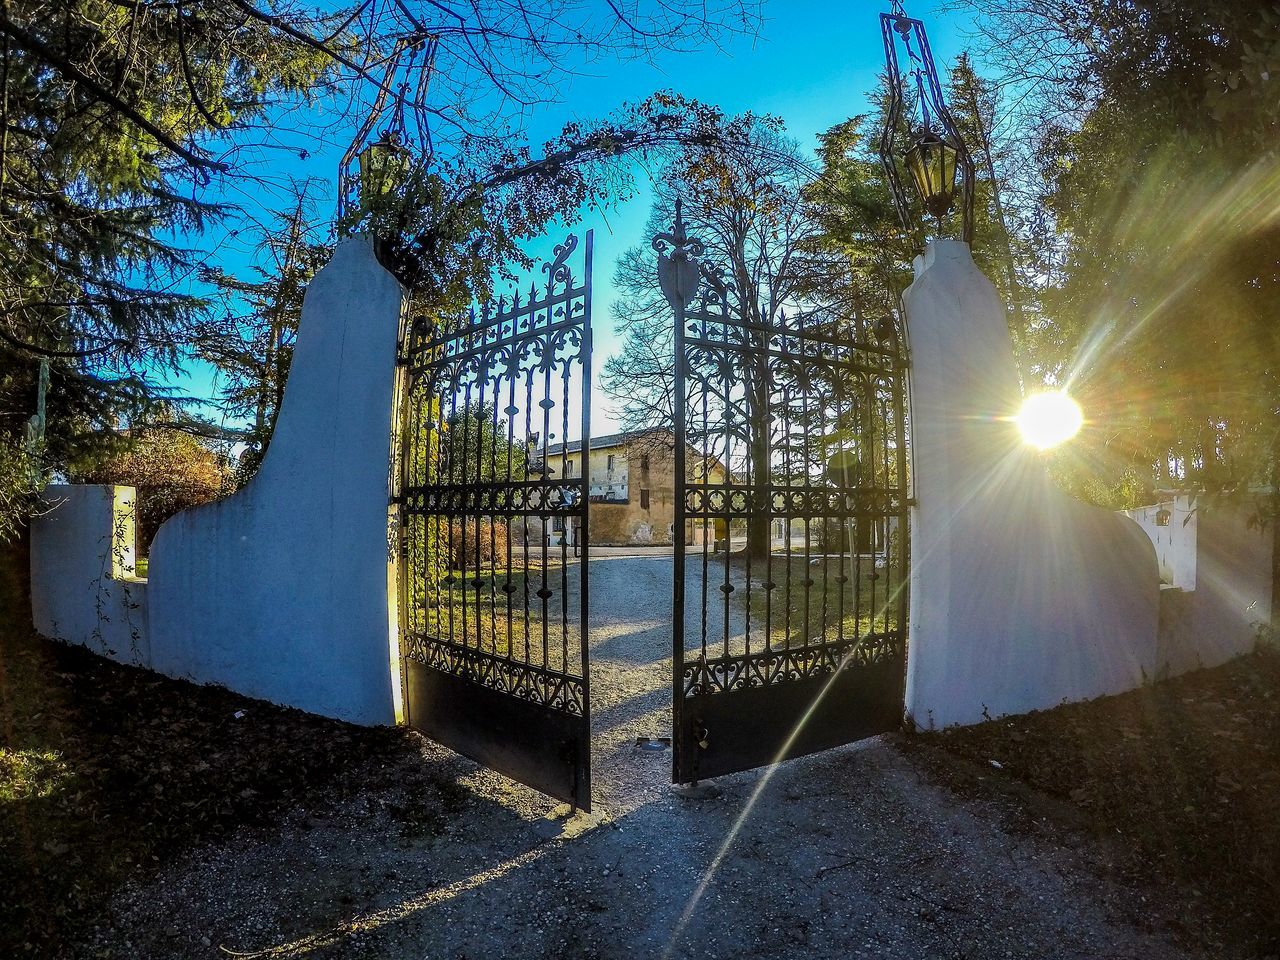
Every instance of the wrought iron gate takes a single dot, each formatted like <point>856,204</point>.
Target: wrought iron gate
<point>493,594</point>
<point>791,465</point>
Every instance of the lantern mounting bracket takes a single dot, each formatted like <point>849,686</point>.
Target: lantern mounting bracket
<point>934,127</point>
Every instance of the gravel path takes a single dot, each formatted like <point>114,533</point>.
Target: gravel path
<point>849,853</point>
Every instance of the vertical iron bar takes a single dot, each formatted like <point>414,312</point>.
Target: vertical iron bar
<point>875,486</point>
<point>545,403</point>
<point>807,582</point>
<point>530,492</point>
<point>584,500</point>
<point>902,489</point>
<point>508,583</point>
<point>844,499</point>
<point>678,403</point>
<point>888,489</point>
<point>480,482</point>
<point>565,513</point>
<point>494,518</point>
<point>727,392</point>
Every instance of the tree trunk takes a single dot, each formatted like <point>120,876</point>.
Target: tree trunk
<point>1011,271</point>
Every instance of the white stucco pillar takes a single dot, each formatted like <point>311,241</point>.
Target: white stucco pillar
<point>1021,597</point>
<point>281,590</point>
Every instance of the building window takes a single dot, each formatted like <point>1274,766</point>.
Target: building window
<point>568,470</point>
<point>644,499</point>
<point>609,465</point>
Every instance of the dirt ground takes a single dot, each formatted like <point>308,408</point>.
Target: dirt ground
<point>856,852</point>
<point>1185,774</point>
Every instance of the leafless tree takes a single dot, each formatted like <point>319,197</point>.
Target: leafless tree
<point>742,196</point>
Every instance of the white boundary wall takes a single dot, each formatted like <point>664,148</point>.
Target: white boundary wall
<point>83,588</point>
<point>1021,597</point>
<point>281,590</point>
<point>1218,566</point>
<point>1175,541</point>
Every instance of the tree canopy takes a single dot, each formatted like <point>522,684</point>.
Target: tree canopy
<point>1145,134</point>
<point>122,126</point>
<point>250,340</point>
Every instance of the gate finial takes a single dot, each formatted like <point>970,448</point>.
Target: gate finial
<point>678,268</point>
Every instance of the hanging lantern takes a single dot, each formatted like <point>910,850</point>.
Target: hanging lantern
<point>931,161</point>
<point>383,166</point>
<point>886,331</point>
<point>936,161</point>
<point>371,169</point>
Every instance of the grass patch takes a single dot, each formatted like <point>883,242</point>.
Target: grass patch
<point>826,607</point>
<point>1186,773</point>
<point>478,618</point>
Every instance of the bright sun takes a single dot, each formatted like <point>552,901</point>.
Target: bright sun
<point>1048,419</point>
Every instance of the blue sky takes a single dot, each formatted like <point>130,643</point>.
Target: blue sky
<point>812,65</point>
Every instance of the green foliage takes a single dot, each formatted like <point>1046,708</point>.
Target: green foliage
<point>19,489</point>
<point>424,538</point>
<point>853,207</point>
<point>112,116</point>
<point>171,470</point>
<point>448,226</point>
<point>477,444</point>
<point>1152,142</point>
<point>106,108</point>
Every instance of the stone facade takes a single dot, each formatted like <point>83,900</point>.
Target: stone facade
<point>632,487</point>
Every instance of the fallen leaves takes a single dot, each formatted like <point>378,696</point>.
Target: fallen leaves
<point>1186,772</point>
<point>112,770</point>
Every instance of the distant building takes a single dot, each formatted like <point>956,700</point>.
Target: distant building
<point>632,486</point>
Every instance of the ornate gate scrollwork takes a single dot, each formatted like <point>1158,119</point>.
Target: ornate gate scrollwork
<point>790,581</point>
<point>493,525</point>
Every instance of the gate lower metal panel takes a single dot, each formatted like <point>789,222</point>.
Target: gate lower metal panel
<point>790,591</point>
<point>548,750</point>
<point>751,726</point>
<point>493,593</point>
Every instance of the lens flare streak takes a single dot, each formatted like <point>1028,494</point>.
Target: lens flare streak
<point>713,868</point>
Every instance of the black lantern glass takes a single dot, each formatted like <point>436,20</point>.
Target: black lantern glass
<point>383,165</point>
<point>931,161</point>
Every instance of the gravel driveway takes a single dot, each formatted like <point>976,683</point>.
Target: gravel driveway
<point>849,853</point>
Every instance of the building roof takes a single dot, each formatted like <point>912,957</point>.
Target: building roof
<point>600,443</point>
<point>612,441</point>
